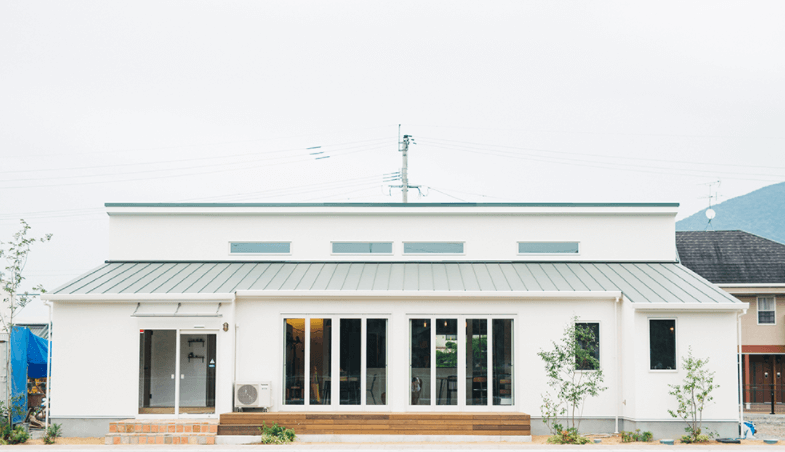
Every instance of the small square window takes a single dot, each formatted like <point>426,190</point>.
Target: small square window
<point>767,311</point>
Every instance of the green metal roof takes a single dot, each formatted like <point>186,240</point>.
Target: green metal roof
<point>393,204</point>
<point>639,282</point>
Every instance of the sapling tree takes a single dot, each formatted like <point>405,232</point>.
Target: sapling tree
<point>692,396</point>
<point>573,374</point>
<point>14,255</point>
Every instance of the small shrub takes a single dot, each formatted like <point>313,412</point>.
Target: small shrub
<point>52,433</point>
<point>636,436</point>
<point>568,436</point>
<point>18,435</point>
<point>277,434</point>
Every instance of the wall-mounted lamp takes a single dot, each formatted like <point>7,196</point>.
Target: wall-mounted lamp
<point>765,375</point>
<point>226,326</point>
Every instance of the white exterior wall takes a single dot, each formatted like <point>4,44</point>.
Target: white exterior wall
<point>618,236</point>
<point>95,369</point>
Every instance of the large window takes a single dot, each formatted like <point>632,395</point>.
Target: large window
<point>360,346</point>
<point>662,344</point>
<point>588,335</point>
<point>471,365</point>
<point>767,311</point>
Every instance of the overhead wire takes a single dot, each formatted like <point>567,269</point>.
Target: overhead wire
<point>161,162</point>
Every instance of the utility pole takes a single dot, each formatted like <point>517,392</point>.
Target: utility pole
<point>405,168</point>
<point>403,148</point>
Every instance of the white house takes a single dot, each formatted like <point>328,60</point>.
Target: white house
<point>407,308</point>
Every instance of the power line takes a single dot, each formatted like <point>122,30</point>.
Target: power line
<point>242,168</point>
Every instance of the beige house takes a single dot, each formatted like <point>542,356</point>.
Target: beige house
<point>752,269</point>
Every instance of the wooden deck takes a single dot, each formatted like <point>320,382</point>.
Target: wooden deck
<point>507,424</point>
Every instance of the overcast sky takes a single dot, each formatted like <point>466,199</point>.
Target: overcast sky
<point>508,101</point>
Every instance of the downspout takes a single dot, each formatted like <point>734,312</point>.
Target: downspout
<point>234,346</point>
<point>48,366</point>
<point>741,381</point>
<point>618,362</point>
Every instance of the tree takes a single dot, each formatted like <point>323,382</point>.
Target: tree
<point>692,397</point>
<point>14,254</point>
<point>571,386</point>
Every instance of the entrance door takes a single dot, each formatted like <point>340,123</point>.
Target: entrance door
<point>176,372</point>
<point>157,371</point>
<point>197,374</point>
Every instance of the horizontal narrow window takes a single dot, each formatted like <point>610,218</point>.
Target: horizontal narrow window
<point>433,248</point>
<point>547,247</point>
<point>261,247</point>
<point>362,247</point>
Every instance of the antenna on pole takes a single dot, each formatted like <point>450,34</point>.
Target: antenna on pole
<point>710,213</point>
<point>403,148</point>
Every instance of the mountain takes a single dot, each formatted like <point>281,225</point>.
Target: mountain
<point>761,212</point>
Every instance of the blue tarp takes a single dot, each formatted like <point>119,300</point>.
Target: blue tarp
<point>28,360</point>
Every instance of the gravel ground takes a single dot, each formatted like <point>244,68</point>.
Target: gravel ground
<point>768,426</point>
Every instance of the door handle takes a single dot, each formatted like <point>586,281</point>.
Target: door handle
<point>172,376</point>
<point>182,376</point>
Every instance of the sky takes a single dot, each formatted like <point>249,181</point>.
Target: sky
<point>525,101</point>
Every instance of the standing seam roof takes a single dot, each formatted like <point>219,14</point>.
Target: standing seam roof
<point>639,282</point>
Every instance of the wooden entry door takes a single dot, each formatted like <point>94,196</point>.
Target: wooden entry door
<point>766,370</point>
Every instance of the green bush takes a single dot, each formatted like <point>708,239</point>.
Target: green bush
<point>568,436</point>
<point>277,434</point>
<point>636,436</point>
<point>9,434</point>
<point>52,433</point>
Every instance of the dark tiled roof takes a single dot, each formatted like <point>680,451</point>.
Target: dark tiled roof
<point>727,257</point>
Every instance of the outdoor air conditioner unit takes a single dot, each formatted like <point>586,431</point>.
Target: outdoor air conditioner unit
<point>252,395</point>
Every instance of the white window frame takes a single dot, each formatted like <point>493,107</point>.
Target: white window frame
<point>675,345</point>
<point>335,368</point>
<point>599,339</point>
<point>518,248</point>
<point>260,254</point>
<point>403,248</point>
<point>757,310</point>
<point>461,405</point>
<point>391,242</point>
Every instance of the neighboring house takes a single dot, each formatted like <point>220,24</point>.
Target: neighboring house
<point>386,309</point>
<point>752,269</point>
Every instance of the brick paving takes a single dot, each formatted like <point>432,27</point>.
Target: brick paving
<point>157,431</point>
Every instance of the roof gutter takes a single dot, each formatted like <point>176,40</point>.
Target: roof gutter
<point>384,294</point>
<point>702,307</point>
<point>141,297</point>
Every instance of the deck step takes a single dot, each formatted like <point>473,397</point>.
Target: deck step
<point>510,424</point>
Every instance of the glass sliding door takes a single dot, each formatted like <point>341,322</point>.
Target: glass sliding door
<point>321,361</point>
<point>351,357</point>
<point>157,371</point>
<point>376,362</point>
<point>502,361</point>
<point>446,361</point>
<point>197,374</point>
<point>420,361</point>
<point>294,361</point>
<point>476,362</point>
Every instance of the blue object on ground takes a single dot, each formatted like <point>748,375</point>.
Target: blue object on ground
<point>751,426</point>
<point>28,360</point>
<point>770,441</point>
<point>668,442</point>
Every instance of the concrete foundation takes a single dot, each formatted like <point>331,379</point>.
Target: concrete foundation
<point>85,427</point>
<point>661,429</point>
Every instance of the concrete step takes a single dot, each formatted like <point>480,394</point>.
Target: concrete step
<point>162,431</point>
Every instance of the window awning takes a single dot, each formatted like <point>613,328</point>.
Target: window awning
<point>638,282</point>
